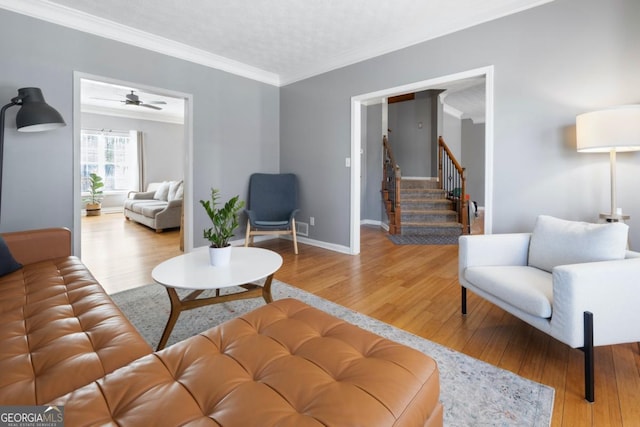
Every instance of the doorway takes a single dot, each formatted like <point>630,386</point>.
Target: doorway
<point>154,100</point>
<point>357,102</point>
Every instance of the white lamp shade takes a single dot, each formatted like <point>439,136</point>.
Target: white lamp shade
<point>616,129</point>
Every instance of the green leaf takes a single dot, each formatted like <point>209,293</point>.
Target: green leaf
<point>224,219</point>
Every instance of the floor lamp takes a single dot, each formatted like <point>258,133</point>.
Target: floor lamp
<point>35,115</point>
<point>610,131</point>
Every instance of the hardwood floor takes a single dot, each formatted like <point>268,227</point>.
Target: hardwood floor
<point>121,253</point>
<point>414,288</point>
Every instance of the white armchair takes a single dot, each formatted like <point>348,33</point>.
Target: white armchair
<point>574,281</point>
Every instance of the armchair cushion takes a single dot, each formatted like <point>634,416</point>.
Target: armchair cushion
<point>273,200</point>
<point>527,288</point>
<point>559,242</point>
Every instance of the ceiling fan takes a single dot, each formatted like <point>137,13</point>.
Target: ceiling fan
<point>133,99</point>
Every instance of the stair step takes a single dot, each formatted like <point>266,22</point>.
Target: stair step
<point>432,229</point>
<point>422,193</point>
<point>428,216</point>
<point>418,183</point>
<point>425,204</point>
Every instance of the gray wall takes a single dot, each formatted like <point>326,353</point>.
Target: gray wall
<point>410,137</point>
<point>551,63</point>
<point>473,150</point>
<point>371,207</point>
<point>452,134</point>
<point>235,121</point>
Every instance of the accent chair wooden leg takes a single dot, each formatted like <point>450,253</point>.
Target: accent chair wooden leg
<point>295,238</point>
<point>588,357</point>
<point>246,238</point>
<point>464,299</point>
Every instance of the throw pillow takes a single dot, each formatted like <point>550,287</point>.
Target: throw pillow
<point>162,192</point>
<point>180,191</point>
<point>175,190</point>
<point>558,242</point>
<point>7,263</point>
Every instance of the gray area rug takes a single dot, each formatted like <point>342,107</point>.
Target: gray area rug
<point>473,392</point>
<point>400,239</point>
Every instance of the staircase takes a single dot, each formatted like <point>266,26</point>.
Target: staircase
<point>426,211</point>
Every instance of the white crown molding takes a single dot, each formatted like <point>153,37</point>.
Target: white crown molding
<point>478,119</point>
<point>448,109</point>
<point>77,20</point>
<point>133,114</point>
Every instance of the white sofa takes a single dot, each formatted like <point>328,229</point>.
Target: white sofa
<point>160,207</point>
<point>574,281</point>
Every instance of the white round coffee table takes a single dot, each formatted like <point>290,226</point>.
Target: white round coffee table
<point>193,271</point>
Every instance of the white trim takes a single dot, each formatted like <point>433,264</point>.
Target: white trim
<point>133,114</point>
<point>372,222</point>
<point>188,160</point>
<point>81,21</point>
<point>356,146</point>
<point>357,102</point>
<point>448,109</point>
<point>304,240</point>
<point>488,151</point>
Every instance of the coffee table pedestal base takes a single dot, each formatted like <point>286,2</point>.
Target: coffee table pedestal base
<point>191,301</point>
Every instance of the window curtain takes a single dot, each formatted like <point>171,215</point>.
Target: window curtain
<point>138,157</point>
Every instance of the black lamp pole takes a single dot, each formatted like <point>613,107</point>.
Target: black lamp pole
<point>35,115</point>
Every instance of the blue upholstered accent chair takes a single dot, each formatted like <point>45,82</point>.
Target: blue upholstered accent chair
<point>272,205</point>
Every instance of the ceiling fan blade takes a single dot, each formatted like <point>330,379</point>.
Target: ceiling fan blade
<point>157,102</point>
<point>150,106</point>
<point>106,99</point>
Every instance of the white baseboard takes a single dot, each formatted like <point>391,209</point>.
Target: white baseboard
<point>305,240</point>
<point>380,224</point>
<point>106,211</point>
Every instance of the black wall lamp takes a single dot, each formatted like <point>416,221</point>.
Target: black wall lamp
<point>35,115</point>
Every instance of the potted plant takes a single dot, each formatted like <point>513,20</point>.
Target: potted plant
<point>224,221</point>
<point>94,200</point>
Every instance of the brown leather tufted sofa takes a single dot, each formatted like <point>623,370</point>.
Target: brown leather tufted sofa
<point>284,364</point>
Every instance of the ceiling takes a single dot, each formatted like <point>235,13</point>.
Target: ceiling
<point>467,98</point>
<point>278,41</point>
<point>107,98</point>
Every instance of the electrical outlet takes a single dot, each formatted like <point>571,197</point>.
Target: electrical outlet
<point>312,220</point>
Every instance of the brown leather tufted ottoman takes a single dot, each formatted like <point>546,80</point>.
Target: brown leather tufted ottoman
<point>284,364</point>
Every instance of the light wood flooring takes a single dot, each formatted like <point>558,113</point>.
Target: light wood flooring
<point>414,288</point>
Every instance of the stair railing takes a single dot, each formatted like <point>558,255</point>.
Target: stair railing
<point>451,177</point>
<point>391,187</point>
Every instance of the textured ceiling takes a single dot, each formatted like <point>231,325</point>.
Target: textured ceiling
<point>291,39</point>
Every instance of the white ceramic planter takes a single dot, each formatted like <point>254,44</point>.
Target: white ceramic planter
<point>219,257</point>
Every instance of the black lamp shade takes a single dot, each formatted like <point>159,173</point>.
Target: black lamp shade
<point>35,114</point>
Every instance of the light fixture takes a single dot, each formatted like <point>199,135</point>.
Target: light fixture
<point>610,131</point>
<point>35,115</point>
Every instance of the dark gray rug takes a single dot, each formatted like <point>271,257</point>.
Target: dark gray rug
<point>473,392</point>
<point>400,239</point>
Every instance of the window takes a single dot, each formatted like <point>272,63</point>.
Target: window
<point>113,155</point>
